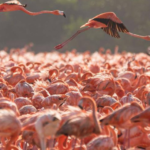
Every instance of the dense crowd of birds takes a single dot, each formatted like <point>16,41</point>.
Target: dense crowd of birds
<point>74,101</point>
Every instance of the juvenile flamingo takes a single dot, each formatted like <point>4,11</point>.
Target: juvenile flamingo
<point>109,23</point>
<point>15,5</point>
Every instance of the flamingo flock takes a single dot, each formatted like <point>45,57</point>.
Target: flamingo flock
<point>75,101</point>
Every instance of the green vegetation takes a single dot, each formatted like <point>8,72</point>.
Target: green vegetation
<point>47,30</point>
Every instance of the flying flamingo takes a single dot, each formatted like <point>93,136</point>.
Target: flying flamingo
<point>109,23</point>
<point>15,5</point>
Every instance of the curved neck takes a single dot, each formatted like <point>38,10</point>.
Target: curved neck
<point>52,71</point>
<point>113,135</point>
<point>86,75</point>
<point>138,83</point>
<point>107,109</point>
<point>94,110</point>
<point>13,69</point>
<point>115,105</point>
<point>70,67</point>
<point>37,13</point>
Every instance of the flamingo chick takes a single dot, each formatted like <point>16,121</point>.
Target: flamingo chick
<point>15,5</point>
<point>47,125</point>
<point>109,23</point>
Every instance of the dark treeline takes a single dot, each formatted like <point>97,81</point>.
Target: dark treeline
<point>46,31</point>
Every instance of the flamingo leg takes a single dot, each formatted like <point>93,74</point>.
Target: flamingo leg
<point>81,144</point>
<point>71,38</point>
<point>43,143</point>
<point>25,146</point>
<point>125,137</point>
<point>34,148</point>
<point>128,130</point>
<point>51,143</point>
<point>18,143</point>
<point>3,141</point>
<point>74,143</point>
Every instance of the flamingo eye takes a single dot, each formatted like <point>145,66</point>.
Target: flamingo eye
<point>60,98</point>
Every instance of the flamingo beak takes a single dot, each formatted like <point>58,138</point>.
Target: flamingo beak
<point>64,15</point>
<point>25,5</point>
<point>80,104</point>
<point>135,119</point>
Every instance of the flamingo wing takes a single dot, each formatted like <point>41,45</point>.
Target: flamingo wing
<point>112,27</point>
<point>111,32</point>
<point>15,2</point>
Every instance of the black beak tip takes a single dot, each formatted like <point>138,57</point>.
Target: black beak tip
<point>25,5</point>
<point>64,15</point>
<point>80,107</point>
<point>101,120</point>
<point>54,119</point>
<point>134,121</point>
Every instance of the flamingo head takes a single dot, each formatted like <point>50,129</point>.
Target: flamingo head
<point>104,121</point>
<point>25,5</point>
<point>58,12</point>
<point>89,87</point>
<point>142,117</point>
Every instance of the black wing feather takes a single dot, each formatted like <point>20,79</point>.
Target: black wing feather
<point>111,32</point>
<point>112,27</point>
<point>116,26</point>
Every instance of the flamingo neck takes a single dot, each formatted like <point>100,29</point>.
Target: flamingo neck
<point>94,108</point>
<point>113,135</point>
<point>37,13</point>
<point>138,83</point>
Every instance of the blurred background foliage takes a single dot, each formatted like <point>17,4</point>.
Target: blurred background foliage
<point>46,31</point>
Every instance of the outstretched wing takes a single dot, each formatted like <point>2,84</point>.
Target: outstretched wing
<point>111,32</point>
<point>15,2</point>
<point>112,27</point>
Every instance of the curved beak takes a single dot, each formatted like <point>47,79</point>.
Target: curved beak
<point>25,5</point>
<point>80,104</point>
<point>135,119</point>
<point>64,15</point>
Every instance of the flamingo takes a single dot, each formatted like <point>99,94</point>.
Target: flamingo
<point>15,5</point>
<point>109,23</point>
<point>10,126</point>
<point>83,124</point>
<point>120,118</point>
<point>44,123</point>
<point>142,117</point>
